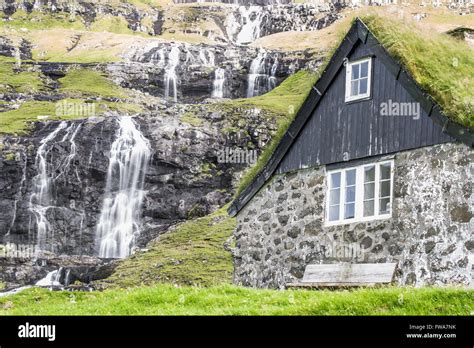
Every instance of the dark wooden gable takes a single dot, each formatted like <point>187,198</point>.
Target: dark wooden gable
<point>338,131</point>
<point>327,130</point>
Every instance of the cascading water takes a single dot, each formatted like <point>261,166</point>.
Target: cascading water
<point>19,196</point>
<point>251,18</point>
<point>51,279</point>
<point>41,200</point>
<point>218,85</point>
<point>171,79</point>
<point>119,221</point>
<point>272,81</point>
<point>42,203</point>
<point>71,134</point>
<point>260,78</point>
<point>207,57</point>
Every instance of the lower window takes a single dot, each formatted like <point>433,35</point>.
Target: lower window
<point>360,193</point>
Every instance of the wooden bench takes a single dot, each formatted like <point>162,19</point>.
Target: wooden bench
<point>346,275</point>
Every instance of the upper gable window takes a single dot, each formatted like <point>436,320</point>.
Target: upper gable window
<point>358,79</point>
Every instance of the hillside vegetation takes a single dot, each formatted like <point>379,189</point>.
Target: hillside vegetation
<point>192,254</point>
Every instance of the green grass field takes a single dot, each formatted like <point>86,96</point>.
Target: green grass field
<point>232,300</point>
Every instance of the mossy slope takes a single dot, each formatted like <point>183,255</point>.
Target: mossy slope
<point>193,254</point>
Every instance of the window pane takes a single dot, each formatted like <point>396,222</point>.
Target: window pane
<point>363,86</point>
<point>354,87</point>
<point>369,190</point>
<point>385,171</point>
<point>349,210</point>
<point>350,177</point>
<point>369,173</point>
<point>336,180</point>
<point>364,69</point>
<point>334,196</point>
<point>350,194</point>
<point>385,188</point>
<point>384,206</point>
<point>355,71</point>
<point>369,208</point>
<point>334,213</point>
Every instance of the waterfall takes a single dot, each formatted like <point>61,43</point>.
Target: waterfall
<point>255,73</point>
<point>17,56</point>
<point>18,197</point>
<point>261,79</point>
<point>170,74</point>
<point>218,85</point>
<point>51,279</point>
<point>272,81</point>
<point>251,21</point>
<point>207,57</point>
<point>120,216</point>
<point>71,133</point>
<point>41,200</point>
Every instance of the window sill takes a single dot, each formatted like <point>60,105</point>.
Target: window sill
<point>355,221</point>
<point>355,100</point>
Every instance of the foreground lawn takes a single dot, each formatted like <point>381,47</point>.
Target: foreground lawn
<point>232,300</point>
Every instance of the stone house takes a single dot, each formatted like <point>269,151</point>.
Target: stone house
<point>371,170</point>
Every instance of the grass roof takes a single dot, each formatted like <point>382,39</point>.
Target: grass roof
<point>442,66</point>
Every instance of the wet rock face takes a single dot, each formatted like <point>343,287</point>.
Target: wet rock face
<point>195,66</point>
<point>429,234</point>
<point>17,272</point>
<point>184,178</point>
<point>259,21</point>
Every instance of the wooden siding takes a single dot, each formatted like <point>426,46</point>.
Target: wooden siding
<point>339,131</point>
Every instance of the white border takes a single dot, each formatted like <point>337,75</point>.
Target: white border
<point>359,194</point>
<point>348,97</point>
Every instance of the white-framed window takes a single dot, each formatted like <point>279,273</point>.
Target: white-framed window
<point>359,193</point>
<point>358,79</point>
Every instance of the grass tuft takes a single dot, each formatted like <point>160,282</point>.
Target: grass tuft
<point>85,82</point>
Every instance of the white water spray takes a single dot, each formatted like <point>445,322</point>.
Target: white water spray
<point>51,279</point>
<point>41,200</point>
<point>251,18</point>
<point>260,79</point>
<point>171,79</point>
<point>218,85</point>
<point>119,222</point>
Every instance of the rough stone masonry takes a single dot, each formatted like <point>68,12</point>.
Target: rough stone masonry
<point>430,233</point>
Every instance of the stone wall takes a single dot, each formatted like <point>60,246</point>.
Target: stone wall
<point>281,230</point>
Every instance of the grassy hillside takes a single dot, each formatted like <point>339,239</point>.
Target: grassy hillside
<point>231,300</point>
<point>193,254</point>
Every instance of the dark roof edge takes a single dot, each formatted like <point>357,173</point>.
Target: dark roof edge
<point>358,31</point>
